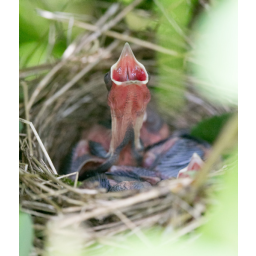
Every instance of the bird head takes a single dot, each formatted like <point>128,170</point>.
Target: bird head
<point>127,98</point>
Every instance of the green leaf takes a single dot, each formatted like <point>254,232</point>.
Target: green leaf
<point>210,128</point>
<point>139,20</point>
<point>31,25</point>
<point>25,234</point>
<point>32,53</point>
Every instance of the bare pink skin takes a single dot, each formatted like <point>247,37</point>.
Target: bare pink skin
<point>150,138</point>
<point>147,136</point>
<point>196,164</point>
<point>128,104</point>
<point>98,134</point>
<point>125,157</point>
<point>81,149</point>
<point>128,98</point>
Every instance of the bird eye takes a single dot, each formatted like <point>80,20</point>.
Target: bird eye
<point>108,81</point>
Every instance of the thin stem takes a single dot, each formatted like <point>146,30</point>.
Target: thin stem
<point>227,136</point>
<point>25,90</point>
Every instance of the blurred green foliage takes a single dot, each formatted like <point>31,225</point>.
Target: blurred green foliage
<point>223,226</point>
<point>175,16</point>
<point>139,20</point>
<point>210,128</point>
<point>216,53</point>
<point>34,31</point>
<point>25,234</point>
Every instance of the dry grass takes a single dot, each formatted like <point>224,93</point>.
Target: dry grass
<point>174,204</point>
<point>68,96</point>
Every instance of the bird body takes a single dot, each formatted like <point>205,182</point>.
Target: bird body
<point>138,151</point>
<point>170,156</point>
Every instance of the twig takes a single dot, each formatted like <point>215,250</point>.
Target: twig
<point>84,71</point>
<point>133,227</point>
<point>23,73</point>
<point>117,35</point>
<point>45,81</point>
<point>74,48</point>
<point>46,216</point>
<point>116,205</point>
<point>45,166</point>
<point>52,193</point>
<point>173,22</point>
<point>75,106</point>
<point>188,228</point>
<point>60,177</point>
<point>76,190</point>
<point>39,206</point>
<point>76,179</point>
<point>36,190</point>
<point>40,143</point>
<point>25,90</point>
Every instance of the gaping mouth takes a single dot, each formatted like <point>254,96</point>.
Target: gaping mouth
<point>127,69</point>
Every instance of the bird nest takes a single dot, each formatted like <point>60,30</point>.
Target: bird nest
<point>63,99</point>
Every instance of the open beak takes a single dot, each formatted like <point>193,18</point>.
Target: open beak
<point>128,99</point>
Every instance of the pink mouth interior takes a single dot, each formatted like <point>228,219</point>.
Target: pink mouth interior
<point>128,69</point>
